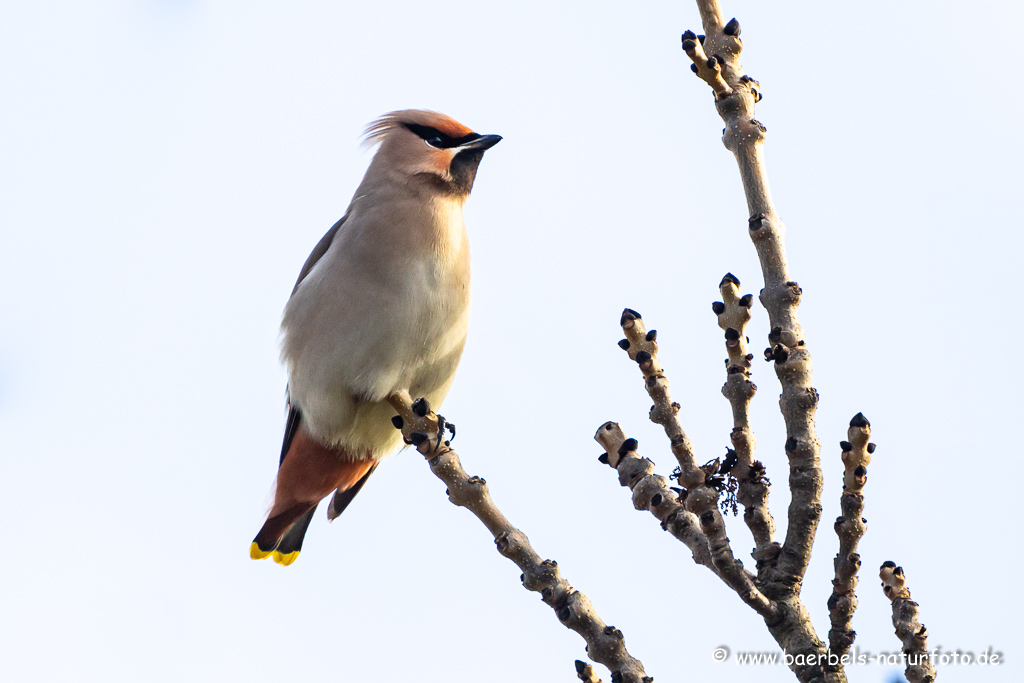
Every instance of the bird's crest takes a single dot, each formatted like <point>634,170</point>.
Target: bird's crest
<point>378,130</point>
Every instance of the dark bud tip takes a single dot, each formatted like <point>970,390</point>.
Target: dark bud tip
<point>871,448</point>
<point>636,316</point>
<point>421,407</point>
<point>693,68</point>
<point>580,667</point>
<point>860,471</point>
<point>791,444</point>
<point>712,62</point>
<point>564,614</point>
<point>701,39</point>
<point>652,335</point>
<point>624,344</point>
<point>417,438</point>
<point>846,446</point>
<point>888,564</point>
<point>859,421</point>
<point>628,446</point>
<point>755,221</point>
<point>898,571</point>
<point>398,421</point>
<point>732,28</point>
<point>689,35</point>
<point>688,45</point>
<point>603,458</point>
<point>747,300</point>
<point>718,307</point>
<point>729,277</point>
<point>656,499</point>
<point>643,357</point>
<point>732,334</point>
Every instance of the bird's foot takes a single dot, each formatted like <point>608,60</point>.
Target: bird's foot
<point>442,425</point>
<point>421,426</point>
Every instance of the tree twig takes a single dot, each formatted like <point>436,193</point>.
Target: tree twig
<point>651,492</point>
<point>909,630</point>
<point>850,527</point>
<point>733,313</point>
<point>585,673</point>
<point>716,61</point>
<point>605,644</point>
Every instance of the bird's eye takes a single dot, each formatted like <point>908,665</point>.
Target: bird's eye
<point>435,141</point>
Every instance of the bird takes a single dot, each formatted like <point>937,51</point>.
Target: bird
<point>381,306</point>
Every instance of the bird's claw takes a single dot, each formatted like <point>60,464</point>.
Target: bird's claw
<point>442,425</point>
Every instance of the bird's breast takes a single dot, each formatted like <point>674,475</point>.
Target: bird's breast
<point>387,308</point>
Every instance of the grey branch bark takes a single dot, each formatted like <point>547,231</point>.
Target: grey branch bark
<point>909,630</point>
<point>605,644</point>
<point>850,527</point>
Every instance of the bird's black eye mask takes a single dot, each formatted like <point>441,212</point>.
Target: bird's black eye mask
<point>436,138</point>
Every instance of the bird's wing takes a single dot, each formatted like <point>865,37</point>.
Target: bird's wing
<point>318,251</point>
<point>290,427</point>
<point>342,497</point>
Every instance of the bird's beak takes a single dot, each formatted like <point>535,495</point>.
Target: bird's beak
<point>483,142</point>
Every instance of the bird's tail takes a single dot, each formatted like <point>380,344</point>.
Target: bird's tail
<point>281,535</point>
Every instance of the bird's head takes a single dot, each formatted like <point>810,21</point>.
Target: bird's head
<point>427,147</point>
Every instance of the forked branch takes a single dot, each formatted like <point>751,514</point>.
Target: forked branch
<point>651,492</point>
<point>715,58</point>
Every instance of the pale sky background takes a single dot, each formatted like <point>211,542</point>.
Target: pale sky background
<point>167,166</point>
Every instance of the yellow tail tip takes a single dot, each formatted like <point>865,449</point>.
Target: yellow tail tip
<point>285,560</point>
<point>257,554</point>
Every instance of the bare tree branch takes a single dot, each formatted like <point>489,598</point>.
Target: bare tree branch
<point>650,492</point>
<point>653,493</point>
<point>605,644</point>
<point>733,313</point>
<point>850,528</point>
<point>909,630</point>
<point>735,96</point>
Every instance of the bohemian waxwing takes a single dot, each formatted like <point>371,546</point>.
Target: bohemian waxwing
<point>381,305</point>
